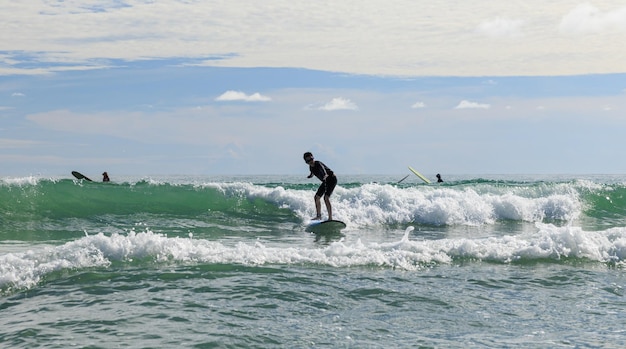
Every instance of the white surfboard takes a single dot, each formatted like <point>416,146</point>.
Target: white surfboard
<point>325,227</point>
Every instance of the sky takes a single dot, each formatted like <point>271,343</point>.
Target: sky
<point>370,87</point>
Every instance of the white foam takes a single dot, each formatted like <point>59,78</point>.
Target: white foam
<point>19,181</point>
<point>376,204</point>
<point>24,270</point>
<point>379,204</point>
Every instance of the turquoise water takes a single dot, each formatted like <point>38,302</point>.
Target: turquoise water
<point>225,262</point>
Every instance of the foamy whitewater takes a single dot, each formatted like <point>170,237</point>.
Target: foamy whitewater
<point>226,262</point>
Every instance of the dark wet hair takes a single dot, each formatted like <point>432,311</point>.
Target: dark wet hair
<point>307,155</point>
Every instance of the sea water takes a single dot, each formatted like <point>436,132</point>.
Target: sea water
<point>226,262</point>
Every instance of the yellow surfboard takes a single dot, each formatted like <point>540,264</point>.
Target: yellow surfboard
<point>419,175</point>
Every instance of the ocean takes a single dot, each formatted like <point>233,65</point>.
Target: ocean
<point>509,261</point>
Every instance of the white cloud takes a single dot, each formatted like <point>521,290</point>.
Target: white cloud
<point>464,104</point>
<point>417,40</point>
<point>501,28</point>
<point>339,103</point>
<point>6,143</point>
<point>586,19</point>
<point>230,96</point>
<point>18,94</point>
<point>418,105</point>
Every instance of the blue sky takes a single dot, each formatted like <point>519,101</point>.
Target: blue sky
<point>212,87</point>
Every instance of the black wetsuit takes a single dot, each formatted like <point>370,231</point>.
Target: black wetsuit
<point>320,171</point>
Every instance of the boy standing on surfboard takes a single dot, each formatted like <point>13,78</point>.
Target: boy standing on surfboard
<point>329,181</point>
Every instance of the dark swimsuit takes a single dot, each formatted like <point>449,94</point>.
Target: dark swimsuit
<point>320,170</point>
